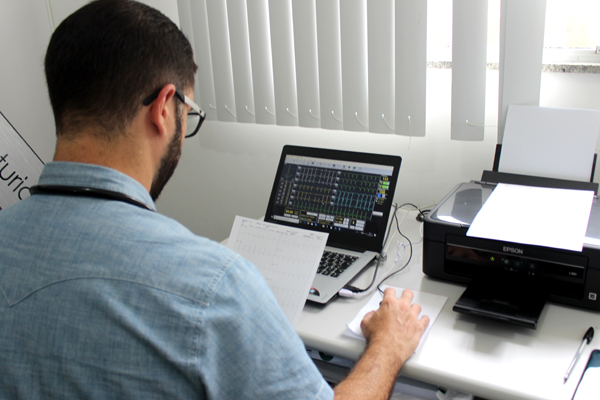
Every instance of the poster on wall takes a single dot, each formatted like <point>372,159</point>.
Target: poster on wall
<point>20,166</point>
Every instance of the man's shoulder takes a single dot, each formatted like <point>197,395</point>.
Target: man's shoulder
<point>192,265</point>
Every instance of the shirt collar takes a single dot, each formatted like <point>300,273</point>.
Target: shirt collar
<point>94,176</point>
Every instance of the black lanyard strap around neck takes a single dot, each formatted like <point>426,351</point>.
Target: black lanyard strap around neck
<point>87,192</point>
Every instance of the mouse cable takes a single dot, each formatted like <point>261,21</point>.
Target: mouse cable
<point>422,212</point>
<point>348,293</point>
<point>409,244</point>
<point>420,218</point>
<point>352,291</point>
<point>399,270</point>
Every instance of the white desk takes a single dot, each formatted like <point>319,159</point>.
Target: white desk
<point>486,358</point>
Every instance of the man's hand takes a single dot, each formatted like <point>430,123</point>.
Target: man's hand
<point>393,333</point>
<point>396,324</point>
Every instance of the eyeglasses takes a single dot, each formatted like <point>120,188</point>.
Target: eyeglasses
<point>195,116</point>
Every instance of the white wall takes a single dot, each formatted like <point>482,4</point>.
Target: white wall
<point>61,9</point>
<point>228,168</point>
<point>25,29</point>
<point>24,34</point>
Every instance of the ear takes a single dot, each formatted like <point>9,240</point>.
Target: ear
<point>159,111</point>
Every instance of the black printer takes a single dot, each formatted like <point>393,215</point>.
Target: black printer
<point>509,281</point>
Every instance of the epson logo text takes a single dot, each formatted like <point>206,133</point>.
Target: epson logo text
<point>513,250</point>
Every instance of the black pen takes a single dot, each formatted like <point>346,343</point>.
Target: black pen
<point>586,340</point>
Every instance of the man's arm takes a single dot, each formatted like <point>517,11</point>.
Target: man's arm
<point>393,333</point>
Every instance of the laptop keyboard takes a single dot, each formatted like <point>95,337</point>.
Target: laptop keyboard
<point>333,264</point>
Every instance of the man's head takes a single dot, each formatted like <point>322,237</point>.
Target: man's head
<point>106,58</point>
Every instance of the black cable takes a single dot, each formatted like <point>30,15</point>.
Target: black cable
<point>354,289</point>
<point>381,255</point>
<point>421,215</point>
<point>409,204</point>
<point>407,239</point>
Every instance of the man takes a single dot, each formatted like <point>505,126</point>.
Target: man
<point>104,298</point>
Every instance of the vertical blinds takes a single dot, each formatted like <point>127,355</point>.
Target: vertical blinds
<point>356,65</point>
<point>469,64</point>
<point>522,26</point>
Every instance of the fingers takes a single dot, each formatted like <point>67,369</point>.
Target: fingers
<point>416,309</point>
<point>392,308</point>
<point>390,294</point>
<point>368,316</point>
<point>405,300</point>
<point>424,320</point>
<point>407,295</point>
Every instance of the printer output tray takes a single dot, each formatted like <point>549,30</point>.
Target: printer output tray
<point>517,301</point>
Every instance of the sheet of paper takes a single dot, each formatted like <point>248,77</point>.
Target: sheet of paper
<point>286,257</point>
<point>549,142</point>
<point>534,215</point>
<point>431,305</point>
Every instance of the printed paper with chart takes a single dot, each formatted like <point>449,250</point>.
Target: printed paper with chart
<point>286,257</point>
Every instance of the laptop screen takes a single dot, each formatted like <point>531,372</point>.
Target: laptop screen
<point>347,194</point>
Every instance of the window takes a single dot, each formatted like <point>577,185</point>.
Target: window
<point>439,31</point>
<point>572,32</point>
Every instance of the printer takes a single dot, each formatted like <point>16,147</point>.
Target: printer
<point>505,280</point>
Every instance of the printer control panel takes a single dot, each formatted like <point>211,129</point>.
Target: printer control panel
<point>478,257</point>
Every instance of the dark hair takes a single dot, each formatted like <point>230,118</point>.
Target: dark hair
<point>105,58</point>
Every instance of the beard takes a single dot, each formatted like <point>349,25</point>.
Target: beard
<point>168,163</point>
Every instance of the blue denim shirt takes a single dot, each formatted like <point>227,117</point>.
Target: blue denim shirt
<point>105,300</point>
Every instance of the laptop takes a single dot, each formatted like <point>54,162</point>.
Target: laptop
<point>346,194</point>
